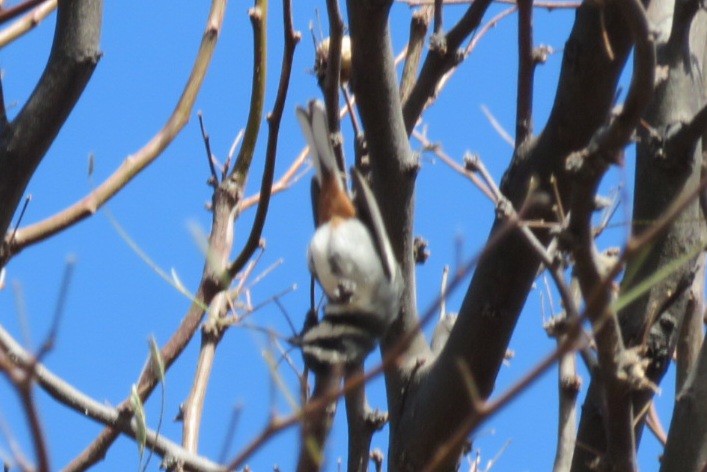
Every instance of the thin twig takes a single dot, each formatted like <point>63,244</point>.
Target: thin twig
<point>317,423</point>
<point>289,178</point>
<point>274,119</point>
<point>7,14</point>
<point>258,19</point>
<point>209,155</point>
<point>28,199</point>
<point>526,66</point>
<point>333,79</point>
<point>419,23</point>
<point>84,405</point>
<point>218,242</point>
<point>50,340</point>
<point>440,61</point>
<point>496,125</point>
<point>28,22</point>
<point>437,150</point>
<point>438,21</point>
<point>134,163</point>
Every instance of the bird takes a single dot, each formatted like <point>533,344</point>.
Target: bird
<point>349,255</point>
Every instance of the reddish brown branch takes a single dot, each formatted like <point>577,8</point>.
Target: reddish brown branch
<point>219,241</point>
<point>7,14</point>
<point>27,23</point>
<point>439,61</point>
<point>274,119</point>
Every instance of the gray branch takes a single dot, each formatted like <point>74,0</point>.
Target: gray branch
<point>25,140</point>
<point>438,402</point>
<point>686,448</point>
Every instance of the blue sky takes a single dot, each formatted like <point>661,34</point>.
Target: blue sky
<point>116,301</point>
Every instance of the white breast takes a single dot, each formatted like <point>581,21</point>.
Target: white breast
<point>343,258</point>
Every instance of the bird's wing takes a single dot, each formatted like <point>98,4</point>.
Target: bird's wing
<point>368,209</point>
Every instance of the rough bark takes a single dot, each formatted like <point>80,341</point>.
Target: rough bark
<point>425,414</point>
<point>393,166</point>
<point>668,165</point>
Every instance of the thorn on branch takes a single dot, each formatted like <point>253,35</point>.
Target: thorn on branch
<point>213,179</point>
<point>180,414</point>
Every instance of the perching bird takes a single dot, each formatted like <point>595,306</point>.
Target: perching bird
<point>349,255</point>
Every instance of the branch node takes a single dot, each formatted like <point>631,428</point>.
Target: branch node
<point>421,251</point>
<point>438,43</point>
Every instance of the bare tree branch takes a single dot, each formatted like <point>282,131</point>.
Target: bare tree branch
<point>526,69</point>
<point>691,336</point>
<point>213,331</point>
<point>84,405</point>
<point>667,168</point>
<point>25,141</point>
<point>362,423</point>
<point>317,423</point>
<point>419,24</point>
<point>490,309</point>
<point>441,58</point>
<point>687,438</point>
<point>27,23</point>
<point>7,14</point>
<point>332,80</point>
<point>621,370</point>
<point>274,119</point>
<point>220,245</point>
<point>549,5</point>
<point>132,165</point>
<point>393,166</point>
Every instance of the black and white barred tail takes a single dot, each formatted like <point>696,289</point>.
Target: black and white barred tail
<point>343,339</point>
